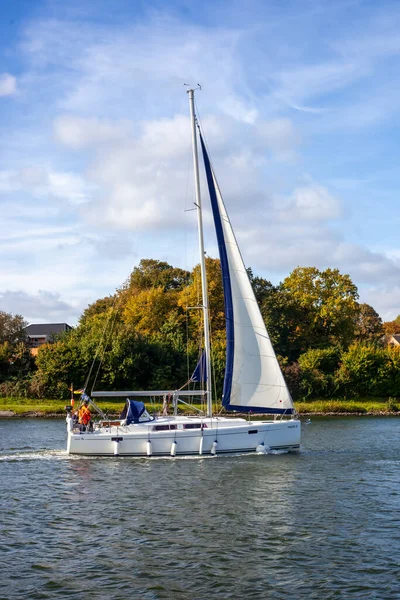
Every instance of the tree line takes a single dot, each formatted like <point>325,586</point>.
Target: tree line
<point>148,335</point>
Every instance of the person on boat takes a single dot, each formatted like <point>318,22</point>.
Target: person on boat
<point>75,418</point>
<point>85,416</point>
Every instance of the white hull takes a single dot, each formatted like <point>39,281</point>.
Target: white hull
<point>183,436</point>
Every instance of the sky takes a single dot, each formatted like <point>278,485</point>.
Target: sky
<point>300,107</point>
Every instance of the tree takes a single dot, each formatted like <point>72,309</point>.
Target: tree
<point>155,273</point>
<point>282,315</point>
<point>12,328</point>
<point>148,309</point>
<point>326,303</point>
<point>100,306</point>
<point>59,364</point>
<point>369,327</point>
<point>262,288</point>
<point>392,327</point>
<point>366,370</point>
<point>318,367</point>
<point>16,360</point>
<point>190,300</point>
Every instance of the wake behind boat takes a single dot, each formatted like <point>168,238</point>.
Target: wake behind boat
<point>253,381</point>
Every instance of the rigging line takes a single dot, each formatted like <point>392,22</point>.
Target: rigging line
<point>104,349</point>
<point>113,318</point>
<point>113,313</point>
<point>99,345</point>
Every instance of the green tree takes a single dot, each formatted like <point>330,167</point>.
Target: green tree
<point>365,370</point>
<point>155,273</point>
<point>262,288</point>
<point>279,312</point>
<point>12,328</point>
<point>327,307</point>
<point>369,326</point>
<point>5,359</point>
<point>282,315</point>
<point>59,364</point>
<point>16,360</point>
<point>318,368</point>
<point>100,306</point>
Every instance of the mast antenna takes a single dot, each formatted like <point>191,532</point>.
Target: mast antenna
<point>192,89</point>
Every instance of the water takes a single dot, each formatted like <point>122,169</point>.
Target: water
<point>320,524</point>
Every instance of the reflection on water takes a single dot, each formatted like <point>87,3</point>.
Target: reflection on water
<point>320,524</point>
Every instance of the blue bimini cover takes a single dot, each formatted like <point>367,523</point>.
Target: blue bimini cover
<point>133,410</point>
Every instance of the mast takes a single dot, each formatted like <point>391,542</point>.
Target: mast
<point>204,293</point>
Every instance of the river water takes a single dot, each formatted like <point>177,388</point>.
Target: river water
<point>323,523</point>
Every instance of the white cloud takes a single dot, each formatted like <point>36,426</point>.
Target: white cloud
<point>240,110</point>
<point>365,265</point>
<point>42,306</point>
<point>77,133</point>
<point>43,182</point>
<point>280,136</point>
<point>387,298</point>
<point>301,83</point>
<point>309,203</point>
<point>281,247</point>
<point>146,178</point>
<point>8,84</point>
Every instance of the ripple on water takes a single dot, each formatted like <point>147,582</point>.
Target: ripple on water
<point>319,524</point>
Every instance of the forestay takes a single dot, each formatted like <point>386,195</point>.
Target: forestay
<point>253,379</point>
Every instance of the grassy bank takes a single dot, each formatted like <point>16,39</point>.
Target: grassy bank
<point>359,406</point>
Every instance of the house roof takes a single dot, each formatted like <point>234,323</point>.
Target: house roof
<point>39,329</point>
<point>396,337</point>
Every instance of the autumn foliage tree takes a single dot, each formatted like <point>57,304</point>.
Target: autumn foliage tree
<point>392,327</point>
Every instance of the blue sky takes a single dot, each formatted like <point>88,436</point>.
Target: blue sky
<point>300,105</point>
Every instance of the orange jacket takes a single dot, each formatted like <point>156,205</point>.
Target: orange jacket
<point>84,415</point>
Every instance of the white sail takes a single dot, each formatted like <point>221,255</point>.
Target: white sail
<point>253,379</point>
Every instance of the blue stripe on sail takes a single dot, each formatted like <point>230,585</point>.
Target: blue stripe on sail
<point>226,280</point>
<point>200,372</point>
<point>260,409</point>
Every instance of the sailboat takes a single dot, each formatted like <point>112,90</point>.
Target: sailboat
<point>253,382</point>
